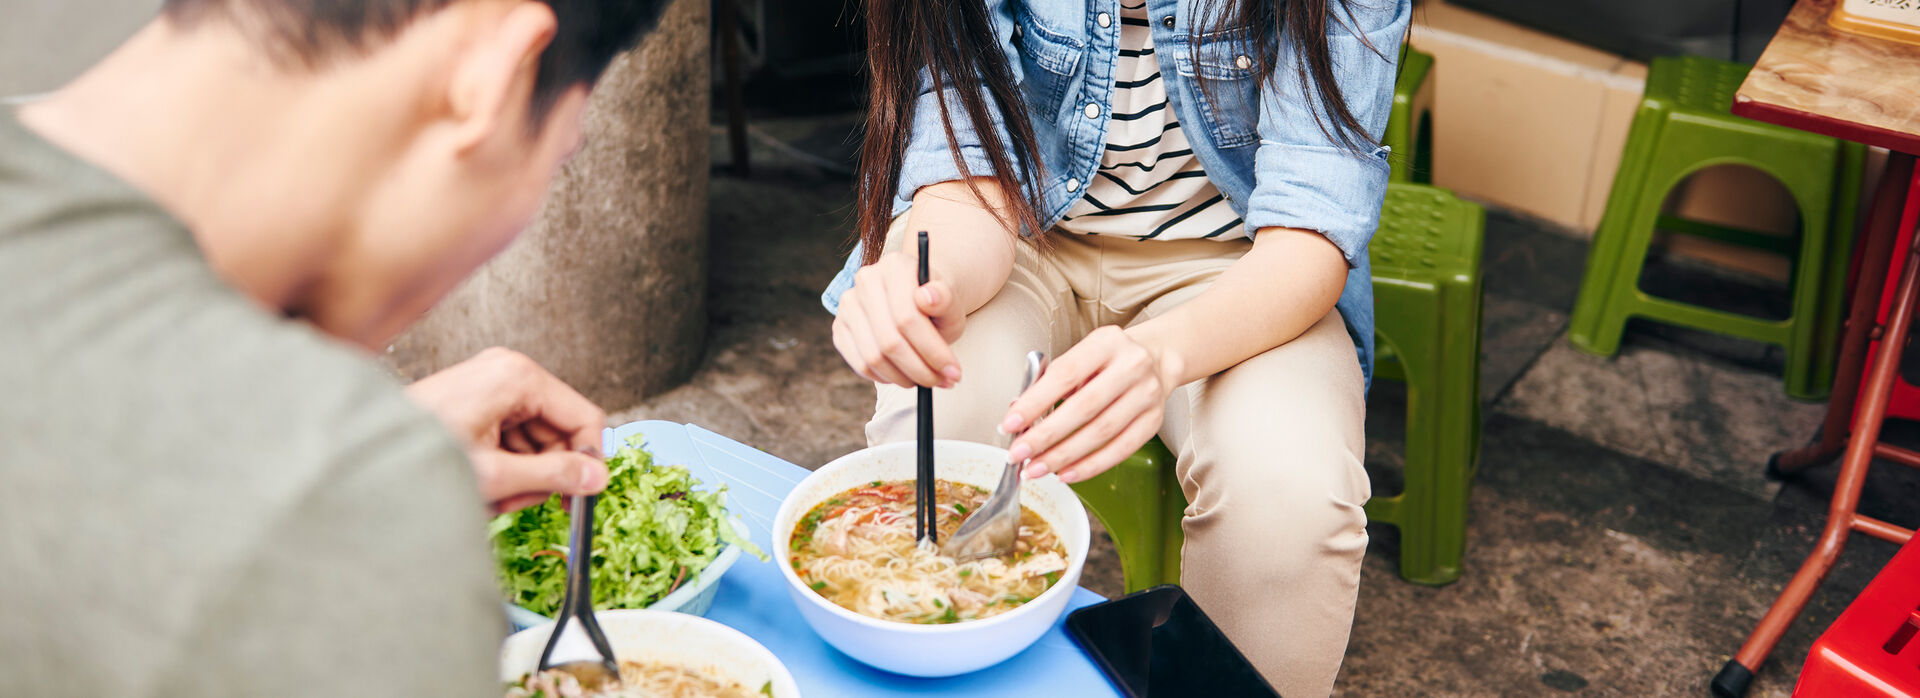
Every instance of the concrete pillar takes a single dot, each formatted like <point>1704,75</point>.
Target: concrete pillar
<point>607,288</point>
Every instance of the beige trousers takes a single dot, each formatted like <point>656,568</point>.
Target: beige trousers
<point>1268,452</point>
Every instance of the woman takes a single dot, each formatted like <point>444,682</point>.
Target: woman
<point>1175,200</point>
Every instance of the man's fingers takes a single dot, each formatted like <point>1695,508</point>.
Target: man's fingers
<point>545,437</point>
<point>518,502</point>
<point>537,394</point>
<point>514,440</point>
<point>505,476</point>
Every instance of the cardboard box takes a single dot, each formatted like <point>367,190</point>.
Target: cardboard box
<point>1536,123</point>
<point>1517,112</point>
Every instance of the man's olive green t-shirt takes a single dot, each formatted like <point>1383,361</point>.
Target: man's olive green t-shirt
<point>199,497</point>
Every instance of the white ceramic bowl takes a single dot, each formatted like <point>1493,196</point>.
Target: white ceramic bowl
<point>663,636</point>
<point>933,650</point>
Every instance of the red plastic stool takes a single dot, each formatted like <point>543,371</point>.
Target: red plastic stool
<point>1872,649</point>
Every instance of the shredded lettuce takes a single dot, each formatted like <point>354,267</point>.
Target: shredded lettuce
<point>654,532</point>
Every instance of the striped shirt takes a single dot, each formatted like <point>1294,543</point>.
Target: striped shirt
<point>1149,185</point>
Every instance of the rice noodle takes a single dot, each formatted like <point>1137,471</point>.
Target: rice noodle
<point>857,550</point>
<point>638,679</point>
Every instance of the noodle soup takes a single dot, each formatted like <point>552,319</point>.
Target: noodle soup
<point>642,679</point>
<point>857,550</point>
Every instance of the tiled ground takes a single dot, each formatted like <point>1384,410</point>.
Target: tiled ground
<point>1622,539</point>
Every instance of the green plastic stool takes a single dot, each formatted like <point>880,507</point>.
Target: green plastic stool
<point>1409,135</point>
<point>1141,504</point>
<point>1426,300</point>
<point>1683,126</point>
<point>1426,280</point>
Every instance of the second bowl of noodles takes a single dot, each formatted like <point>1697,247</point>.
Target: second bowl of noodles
<point>844,537</point>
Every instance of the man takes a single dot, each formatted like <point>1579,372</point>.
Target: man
<point>211,487</point>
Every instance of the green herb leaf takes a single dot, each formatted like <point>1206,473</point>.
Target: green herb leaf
<point>653,530</point>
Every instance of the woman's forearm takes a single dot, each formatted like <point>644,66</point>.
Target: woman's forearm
<point>972,249</point>
<point>1285,284</point>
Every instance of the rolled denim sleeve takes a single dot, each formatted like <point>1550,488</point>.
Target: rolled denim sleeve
<point>929,157</point>
<point>1303,177</point>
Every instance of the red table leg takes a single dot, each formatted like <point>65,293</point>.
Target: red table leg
<point>1883,226</point>
<point>1861,445</point>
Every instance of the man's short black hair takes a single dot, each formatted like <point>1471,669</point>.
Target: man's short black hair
<point>310,32</point>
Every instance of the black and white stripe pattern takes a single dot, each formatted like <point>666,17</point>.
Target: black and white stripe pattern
<point>1149,186</point>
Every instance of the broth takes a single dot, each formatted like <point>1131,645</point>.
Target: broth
<point>857,550</point>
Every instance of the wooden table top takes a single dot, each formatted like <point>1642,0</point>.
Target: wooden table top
<point>1817,78</point>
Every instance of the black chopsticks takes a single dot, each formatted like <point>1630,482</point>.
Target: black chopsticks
<point>577,604</point>
<point>926,526</point>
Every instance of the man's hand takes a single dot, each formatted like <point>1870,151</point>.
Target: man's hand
<point>528,434</point>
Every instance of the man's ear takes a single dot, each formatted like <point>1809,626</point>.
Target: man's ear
<point>492,87</point>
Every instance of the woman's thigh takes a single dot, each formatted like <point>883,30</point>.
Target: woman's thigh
<point>1293,416</point>
<point>1269,455</point>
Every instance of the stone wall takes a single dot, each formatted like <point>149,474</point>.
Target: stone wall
<point>608,287</point>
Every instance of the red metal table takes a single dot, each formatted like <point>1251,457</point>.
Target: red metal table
<point>1816,78</point>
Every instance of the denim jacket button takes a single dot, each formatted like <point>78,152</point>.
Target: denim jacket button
<point>1093,110</point>
<point>1243,62</point>
<point>1105,20</point>
<point>1073,184</point>
<point>1167,21</point>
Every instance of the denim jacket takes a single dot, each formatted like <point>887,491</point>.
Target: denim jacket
<point>1257,142</point>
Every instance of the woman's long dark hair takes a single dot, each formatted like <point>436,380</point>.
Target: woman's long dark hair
<point>953,42</point>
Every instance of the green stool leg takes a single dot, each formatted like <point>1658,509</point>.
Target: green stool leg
<point>1590,329</point>
<point>1141,506</point>
<point>1426,286</point>
<point>1435,329</point>
<point>1407,131</point>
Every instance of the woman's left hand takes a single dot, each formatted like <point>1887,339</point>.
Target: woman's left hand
<point>1111,391</point>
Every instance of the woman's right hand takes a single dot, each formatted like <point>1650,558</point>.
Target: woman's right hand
<point>892,329</point>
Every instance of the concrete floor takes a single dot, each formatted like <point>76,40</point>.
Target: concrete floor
<point>1622,539</point>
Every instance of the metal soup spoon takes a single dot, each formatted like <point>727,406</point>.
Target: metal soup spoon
<point>992,529</point>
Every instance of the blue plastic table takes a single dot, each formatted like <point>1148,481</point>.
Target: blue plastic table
<point>753,597</point>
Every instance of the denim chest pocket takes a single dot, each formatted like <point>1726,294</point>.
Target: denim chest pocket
<point>1230,102</point>
<point>1048,61</point>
